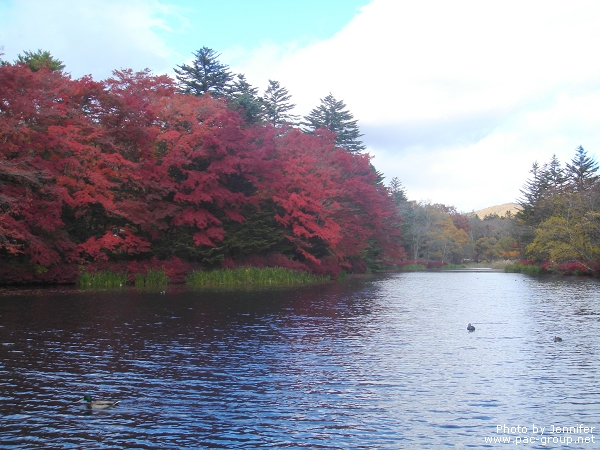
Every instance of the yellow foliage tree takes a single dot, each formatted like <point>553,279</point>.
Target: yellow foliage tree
<point>445,242</point>
<point>560,239</point>
<point>487,248</point>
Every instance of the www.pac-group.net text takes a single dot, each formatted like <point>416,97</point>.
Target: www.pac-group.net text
<point>542,435</point>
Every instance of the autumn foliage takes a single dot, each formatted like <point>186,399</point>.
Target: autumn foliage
<point>128,171</point>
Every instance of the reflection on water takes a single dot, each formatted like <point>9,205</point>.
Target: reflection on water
<point>375,362</point>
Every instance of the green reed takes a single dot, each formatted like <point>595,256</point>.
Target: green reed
<point>103,279</point>
<point>252,275</point>
<point>151,278</point>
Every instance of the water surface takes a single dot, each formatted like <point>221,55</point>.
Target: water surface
<point>373,362</point>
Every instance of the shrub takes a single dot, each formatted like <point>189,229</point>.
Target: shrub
<point>328,267</point>
<point>358,266</point>
<point>571,268</point>
<point>434,264</point>
<point>415,265</point>
<point>178,270</point>
<point>19,273</point>
<point>453,266</point>
<point>412,267</point>
<point>528,269</point>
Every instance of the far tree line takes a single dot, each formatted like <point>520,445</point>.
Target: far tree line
<point>437,232</point>
<point>557,226</point>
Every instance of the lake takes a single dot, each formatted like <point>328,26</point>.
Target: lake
<point>378,361</point>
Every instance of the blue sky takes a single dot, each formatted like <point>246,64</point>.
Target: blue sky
<point>456,99</point>
<point>176,28</point>
<point>255,23</point>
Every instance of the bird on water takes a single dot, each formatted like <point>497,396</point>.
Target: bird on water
<point>98,404</point>
<point>557,339</point>
<point>470,327</point>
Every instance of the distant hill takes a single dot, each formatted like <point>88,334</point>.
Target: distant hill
<point>501,210</point>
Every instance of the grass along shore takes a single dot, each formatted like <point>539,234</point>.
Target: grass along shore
<point>108,279</point>
<point>103,279</point>
<point>222,277</point>
<point>252,275</point>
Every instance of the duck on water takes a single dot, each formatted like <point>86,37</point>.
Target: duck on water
<point>98,404</point>
<point>470,327</point>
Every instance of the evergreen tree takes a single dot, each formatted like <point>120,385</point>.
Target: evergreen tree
<point>243,98</point>
<point>332,114</point>
<point>277,105</point>
<point>380,175</point>
<point>398,191</point>
<point>205,75</point>
<point>582,171</point>
<point>534,192</point>
<point>535,187</point>
<point>555,174</point>
<point>39,60</point>
<point>2,62</point>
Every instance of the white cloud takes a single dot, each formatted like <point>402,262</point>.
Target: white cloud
<point>92,36</point>
<point>458,98</point>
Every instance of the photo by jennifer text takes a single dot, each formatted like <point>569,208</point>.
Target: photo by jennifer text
<point>535,434</point>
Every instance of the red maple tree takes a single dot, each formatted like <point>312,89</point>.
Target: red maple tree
<point>113,170</point>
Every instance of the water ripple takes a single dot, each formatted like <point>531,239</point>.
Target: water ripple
<point>373,362</point>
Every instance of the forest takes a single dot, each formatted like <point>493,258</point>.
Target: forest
<point>142,172</point>
<point>558,225</point>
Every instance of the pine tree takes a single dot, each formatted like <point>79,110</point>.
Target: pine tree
<point>555,174</point>
<point>398,191</point>
<point>380,176</point>
<point>533,191</point>
<point>332,114</point>
<point>582,171</point>
<point>2,62</point>
<point>39,60</point>
<point>205,75</point>
<point>243,98</point>
<point>277,105</point>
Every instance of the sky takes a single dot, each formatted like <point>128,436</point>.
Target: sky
<point>455,99</point>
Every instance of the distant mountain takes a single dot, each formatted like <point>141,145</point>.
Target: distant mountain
<point>501,210</point>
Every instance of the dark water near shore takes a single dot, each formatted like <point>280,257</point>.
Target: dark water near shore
<point>376,362</point>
